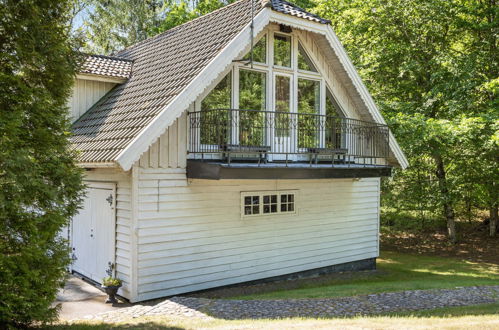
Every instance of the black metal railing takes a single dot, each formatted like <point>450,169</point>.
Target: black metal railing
<point>279,136</point>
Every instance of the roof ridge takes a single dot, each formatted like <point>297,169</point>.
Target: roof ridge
<point>165,65</point>
<point>299,8</point>
<point>189,22</point>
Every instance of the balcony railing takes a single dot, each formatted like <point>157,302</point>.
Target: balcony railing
<point>232,134</point>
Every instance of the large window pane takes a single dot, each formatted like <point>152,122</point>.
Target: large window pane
<point>282,105</point>
<point>335,132</point>
<point>252,97</point>
<point>282,50</point>
<point>308,110</point>
<point>259,51</point>
<point>304,61</point>
<point>215,124</point>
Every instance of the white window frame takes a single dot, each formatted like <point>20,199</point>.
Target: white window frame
<point>260,194</point>
<point>271,70</point>
<point>292,40</point>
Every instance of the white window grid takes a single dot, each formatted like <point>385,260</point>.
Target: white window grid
<point>263,202</point>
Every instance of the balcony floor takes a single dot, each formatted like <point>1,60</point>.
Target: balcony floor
<point>217,170</point>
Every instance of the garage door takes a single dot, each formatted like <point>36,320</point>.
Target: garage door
<point>93,232</point>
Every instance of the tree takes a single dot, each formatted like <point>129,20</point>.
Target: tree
<point>478,20</point>
<point>431,66</point>
<point>116,24</point>
<point>40,185</point>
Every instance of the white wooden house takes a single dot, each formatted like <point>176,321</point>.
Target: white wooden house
<point>211,162</point>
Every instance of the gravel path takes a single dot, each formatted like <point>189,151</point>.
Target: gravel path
<point>330,307</point>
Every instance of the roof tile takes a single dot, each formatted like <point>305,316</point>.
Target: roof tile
<point>163,66</point>
<point>107,66</point>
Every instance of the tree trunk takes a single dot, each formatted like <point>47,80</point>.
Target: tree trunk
<point>493,220</point>
<point>447,201</point>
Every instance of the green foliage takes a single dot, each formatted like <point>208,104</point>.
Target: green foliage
<point>180,12</point>
<point>40,186</point>
<point>252,96</point>
<point>282,50</point>
<point>213,125</point>
<point>111,281</point>
<point>259,51</point>
<point>308,103</point>
<point>116,24</point>
<point>396,272</point>
<point>433,67</point>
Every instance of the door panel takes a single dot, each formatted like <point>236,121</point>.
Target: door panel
<point>81,225</point>
<point>93,234</point>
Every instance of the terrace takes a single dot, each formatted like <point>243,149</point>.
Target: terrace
<point>255,144</point>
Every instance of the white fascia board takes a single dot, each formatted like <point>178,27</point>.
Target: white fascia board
<point>97,165</point>
<point>327,31</point>
<point>94,77</point>
<point>181,102</point>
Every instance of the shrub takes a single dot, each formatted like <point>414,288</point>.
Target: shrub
<point>40,185</point>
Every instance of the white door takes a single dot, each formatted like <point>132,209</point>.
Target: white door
<point>284,119</point>
<point>93,232</point>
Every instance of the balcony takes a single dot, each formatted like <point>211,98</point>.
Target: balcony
<point>253,144</point>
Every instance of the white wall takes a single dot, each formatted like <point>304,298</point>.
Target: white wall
<point>123,221</point>
<point>170,150</point>
<point>191,235</point>
<point>85,94</point>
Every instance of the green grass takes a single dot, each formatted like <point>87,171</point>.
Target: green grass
<point>396,272</point>
<point>479,317</point>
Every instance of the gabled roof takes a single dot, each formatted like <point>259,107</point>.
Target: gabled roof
<point>290,9</point>
<point>162,67</point>
<point>171,69</point>
<point>106,66</point>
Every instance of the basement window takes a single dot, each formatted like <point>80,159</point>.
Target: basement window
<point>267,203</point>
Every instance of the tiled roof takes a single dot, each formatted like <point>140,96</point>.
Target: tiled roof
<point>106,66</point>
<point>163,66</point>
<point>290,9</point>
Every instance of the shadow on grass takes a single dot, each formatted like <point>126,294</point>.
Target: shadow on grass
<point>101,326</point>
<point>396,272</point>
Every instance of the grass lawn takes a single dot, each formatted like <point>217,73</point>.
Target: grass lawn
<point>396,272</point>
<point>476,317</point>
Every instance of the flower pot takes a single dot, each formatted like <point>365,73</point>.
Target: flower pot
<point>111,293</point>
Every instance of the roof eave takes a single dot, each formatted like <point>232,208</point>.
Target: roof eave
<point>174,109</point>
<point>101,78</point>
<point>327,31</point>
<point>90,165</point>
<point>180,103</point>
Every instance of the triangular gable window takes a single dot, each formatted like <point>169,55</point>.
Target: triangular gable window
<point>304,61</point>
<point>333,109</point>
<point>259,51</point>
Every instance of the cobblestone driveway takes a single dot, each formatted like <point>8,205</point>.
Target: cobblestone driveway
<point>331,307</point>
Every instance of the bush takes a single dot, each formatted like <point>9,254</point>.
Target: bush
<point>40,185</point>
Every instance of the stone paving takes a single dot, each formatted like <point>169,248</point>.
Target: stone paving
<point>330,307</point>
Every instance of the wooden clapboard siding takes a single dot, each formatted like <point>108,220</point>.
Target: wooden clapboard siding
<point>191,235</point>
<point>169,150</point>
<point>85,94</point>
<point>123,220</point>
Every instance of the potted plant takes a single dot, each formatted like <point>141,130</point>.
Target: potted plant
<point>111,285</point>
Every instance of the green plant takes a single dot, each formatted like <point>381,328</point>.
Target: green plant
<point>111,281</point>
<point>40,184</point>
